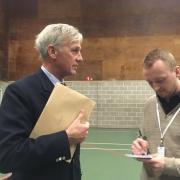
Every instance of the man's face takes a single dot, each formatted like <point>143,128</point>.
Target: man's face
<point>67,59</point>
<point>162,79</point>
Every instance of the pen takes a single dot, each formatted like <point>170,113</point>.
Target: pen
<point>141,136</point>
<point>145,138</point>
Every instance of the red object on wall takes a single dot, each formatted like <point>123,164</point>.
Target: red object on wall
<point>88,78</point>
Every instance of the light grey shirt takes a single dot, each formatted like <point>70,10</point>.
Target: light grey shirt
<point>50,76</point>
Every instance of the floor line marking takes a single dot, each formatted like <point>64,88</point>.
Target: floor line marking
<point>105,149</point>
<point>116,144</point>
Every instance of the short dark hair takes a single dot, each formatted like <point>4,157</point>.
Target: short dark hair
<point>159,54</point>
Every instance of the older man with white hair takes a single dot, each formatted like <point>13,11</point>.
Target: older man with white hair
<point>59,46</point>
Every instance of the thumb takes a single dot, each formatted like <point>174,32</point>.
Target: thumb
<point>79,116</point>
<point>87,124</point>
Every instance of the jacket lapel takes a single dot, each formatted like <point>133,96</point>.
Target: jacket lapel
<point>47,85</point>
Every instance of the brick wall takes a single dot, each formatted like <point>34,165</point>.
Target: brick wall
<point>119,103</point>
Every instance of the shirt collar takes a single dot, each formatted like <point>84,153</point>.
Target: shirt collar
<point>172,103</point>
<point>50,76</point>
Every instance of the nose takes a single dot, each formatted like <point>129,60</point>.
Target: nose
<point>79,58</point>
<point>156,87</point>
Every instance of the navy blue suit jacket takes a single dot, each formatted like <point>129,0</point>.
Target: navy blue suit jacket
<point>27,158</point>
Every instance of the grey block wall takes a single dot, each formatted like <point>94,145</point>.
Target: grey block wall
<point>3,86</point>
<point>119,103</point>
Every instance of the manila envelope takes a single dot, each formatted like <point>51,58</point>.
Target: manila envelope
<point>62,107</point>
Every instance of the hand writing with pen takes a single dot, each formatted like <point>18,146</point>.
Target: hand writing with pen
<point>140,145</point>
<point>156,164</point>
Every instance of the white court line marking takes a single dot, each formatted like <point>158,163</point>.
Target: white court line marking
<point>116,144</point>
<point>105,149</point>
<point>114,131</point>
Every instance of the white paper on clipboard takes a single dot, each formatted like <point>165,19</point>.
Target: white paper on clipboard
<point>148,156</point>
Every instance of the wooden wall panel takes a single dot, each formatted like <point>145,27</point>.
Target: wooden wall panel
<point>3,42</point>
<point>130,18</point>
<point>113,8</point>
<point>23,59</point>
<point>91,68</point>
<point>55,9</point>
<point>117,34</point>
<point>21,8</point>
<point>122,57</point>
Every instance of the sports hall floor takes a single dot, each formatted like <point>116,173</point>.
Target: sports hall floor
<point>103,155</point>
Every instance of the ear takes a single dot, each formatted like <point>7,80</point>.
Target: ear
<point>51,51</point>
<point>177,70</point>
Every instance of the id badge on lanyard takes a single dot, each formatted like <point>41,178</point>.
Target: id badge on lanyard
<point>161,148</point>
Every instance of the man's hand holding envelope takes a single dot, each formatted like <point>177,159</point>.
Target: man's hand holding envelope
<point>78,130</point>
<point>67,110</point>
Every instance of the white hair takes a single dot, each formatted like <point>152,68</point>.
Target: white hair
<point>56,35</point>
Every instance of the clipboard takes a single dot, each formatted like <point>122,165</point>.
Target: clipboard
<point>62,107</point>
<point>148,156</point>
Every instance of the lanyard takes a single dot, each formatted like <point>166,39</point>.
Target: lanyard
<point>170,122</point>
